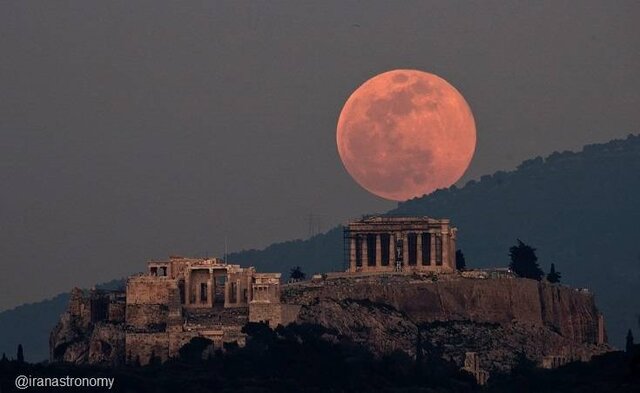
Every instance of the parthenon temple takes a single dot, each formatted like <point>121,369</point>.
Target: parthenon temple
<point>401,244</point>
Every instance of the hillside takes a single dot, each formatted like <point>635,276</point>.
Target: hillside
<point>30,325</point>
<point>442,317</point>
<point>579,209</point>
<point>496,318</point>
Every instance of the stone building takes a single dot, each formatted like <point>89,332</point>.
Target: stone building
<point>179,299</point>
<point>164,308</point>
<point>209,283</point>
<point>472,366</point>
<point>100,312</point>
<point>182,298</point>
<point>400,244</point>
<point>554,361</point>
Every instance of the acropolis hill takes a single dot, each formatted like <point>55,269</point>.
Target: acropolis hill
<point>388,294</point>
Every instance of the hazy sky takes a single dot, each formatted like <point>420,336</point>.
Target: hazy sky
<point>132,130</point>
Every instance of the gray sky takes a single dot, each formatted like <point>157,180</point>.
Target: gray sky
<point>131,130</point>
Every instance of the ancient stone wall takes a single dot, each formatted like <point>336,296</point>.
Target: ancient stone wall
<point>263,312</point>
<point>79,307</point>
<point>493,317</point>
<point>107,345</point>
<point>288,313</point>
<point>554,361</point>
<point>149,290</point>
<point>150,303</point>
<point>147,317</point>
<point>472,366</point>
<point>273,313</point>
<point>91,330</point>
<point>140,347</point>
<point>116,313</point>
<point>177,340</point>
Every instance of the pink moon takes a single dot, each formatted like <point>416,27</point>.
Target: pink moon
<point>406,133</point>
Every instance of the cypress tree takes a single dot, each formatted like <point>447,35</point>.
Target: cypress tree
<point>524,261</point>
<point>554,276</point>
<point>461,262</point>
<point>20,355</point>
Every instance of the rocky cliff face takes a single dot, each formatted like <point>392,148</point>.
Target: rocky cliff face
<point>497,318</point>
<point>91,330</point>
<point>500,319</point>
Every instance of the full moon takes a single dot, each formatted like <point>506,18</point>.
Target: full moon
<point>405,133</point>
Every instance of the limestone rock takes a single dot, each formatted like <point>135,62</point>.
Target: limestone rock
<point>499,319</point>
<point>90,330</point>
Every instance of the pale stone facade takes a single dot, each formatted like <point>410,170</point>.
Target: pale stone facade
<point>554,361</point>
<point>472,366</point>
<point>401,244</point>
<point>182,298</point>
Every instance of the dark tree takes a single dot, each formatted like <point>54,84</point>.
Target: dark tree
<point>261,336</point>
<point>194,350</point>
<point>4,358</point>
<point>524,366</point>
<point>154,360</point>
<point>419,353</point>
<point>524,261</point>
<point>461,263</point>
<point>20,357</point>
<point>553,275</point>
<point>629,346</point>
<point>296,274</point>
<point>230,347</point>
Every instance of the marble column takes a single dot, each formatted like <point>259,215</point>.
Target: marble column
<point>392,251</point>
<point>249,290</point>
<point>363,253</point>
<point>378,251</point>
<point>238,292</point>
<point>432,248</point>
<point>227,291</point>
<point>419,249</point>
<point>352,254</point>
<point>210,289</point>
<point>187,286</point>
<point>445,250</point>
<point>405,251</point>
<point>452,250</point>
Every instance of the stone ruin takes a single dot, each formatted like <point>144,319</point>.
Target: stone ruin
<point>472,366</point>
<point>401,244</point>
<point>401,275</point>
<point>164,308</point>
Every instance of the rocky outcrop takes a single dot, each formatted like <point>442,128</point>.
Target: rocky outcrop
<point>91,330</point>
<point>500,319</point>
